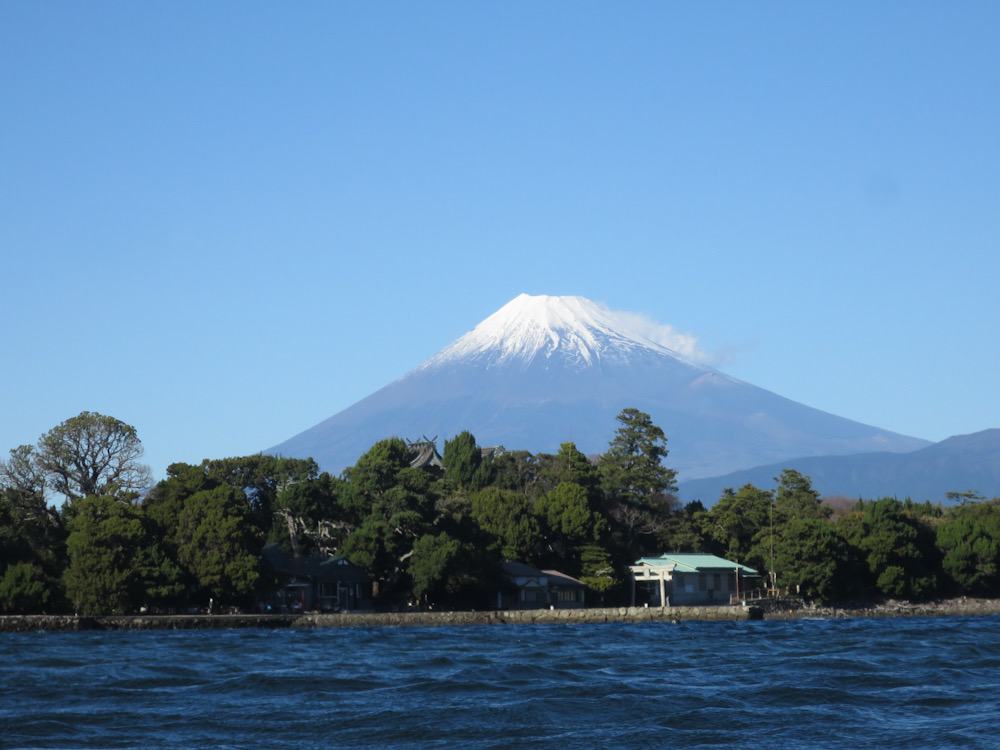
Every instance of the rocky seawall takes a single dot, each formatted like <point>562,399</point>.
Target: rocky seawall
<point>950,608</point>
<point>23,623</point>
<point>963,607</point>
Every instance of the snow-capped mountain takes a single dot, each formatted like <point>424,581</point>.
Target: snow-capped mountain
<point>544,370</point>
<point>574,329</point>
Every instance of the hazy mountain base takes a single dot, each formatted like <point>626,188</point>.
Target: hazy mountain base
<point>957,464</point>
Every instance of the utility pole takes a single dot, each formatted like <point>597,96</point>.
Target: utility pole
<point>774,583</point>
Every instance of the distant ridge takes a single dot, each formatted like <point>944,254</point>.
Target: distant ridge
<point>544,370</point>
<point>958,464</point>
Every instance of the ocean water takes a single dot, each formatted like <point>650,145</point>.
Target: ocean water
<point>906,683</point>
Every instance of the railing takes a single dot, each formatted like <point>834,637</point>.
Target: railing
<point>763,593</point>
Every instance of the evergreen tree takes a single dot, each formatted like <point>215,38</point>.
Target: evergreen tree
<point>796,498</point>
<point>217,545</point>
<point>970,539</point>
<point>32,555</point>
<point>464,466</point>
<point>897,547</point>
<point>507,517</point>
<point>391,505</point>
<point>812,559</point>
<point>105,540</point>
<point>632,468</point>
<point>566,515</point>
<point>732,526</point>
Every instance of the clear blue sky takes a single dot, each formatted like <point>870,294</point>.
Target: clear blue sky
<point>224,222</point>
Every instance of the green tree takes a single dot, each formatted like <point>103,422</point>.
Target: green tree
<point>463,462</point>
<point>897,548</point>
<point>451,572</point>
<point>92,455</point>
<point>376,472</point>
<point>970,539</point>
<point>313,518</point>
<point>23,590</point>
<point>569,465</point>
<point>811,559</point>
<point>796,498</point>
<point>216,544</point>
<point>567,515</point>
<point>259,478</point>
<point>632,467</point>
<point>23,483</point>
<point>507,517</point>
<point>165,502</point>
<point>32,539</point>
<point>963,498</point>
<point>373,546</point>
<point>162,577</point>
<point>432,564</point>
<point>517,471</point>
<point>598,570</point>
<point>680,530</point>
<point>734,523</point>
<point>390,505</point>
<point>105,540</point>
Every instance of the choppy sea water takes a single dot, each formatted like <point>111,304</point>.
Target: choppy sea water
<point>906,683</point>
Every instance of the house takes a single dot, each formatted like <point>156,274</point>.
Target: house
<point>319,582</point>
<point>679,579</point>
<point>531,588</point>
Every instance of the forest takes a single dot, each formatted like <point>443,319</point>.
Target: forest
<point>435,536</point>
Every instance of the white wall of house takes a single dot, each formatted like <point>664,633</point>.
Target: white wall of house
<point>699,588</point>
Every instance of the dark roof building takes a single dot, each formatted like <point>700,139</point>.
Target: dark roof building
<point>318,582</point>
<point>532,588</point>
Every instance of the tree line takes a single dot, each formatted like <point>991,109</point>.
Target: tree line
<point>436,536</point>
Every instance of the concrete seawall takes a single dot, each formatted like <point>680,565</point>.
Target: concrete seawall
<point>950,608</point>
<point>24,623</point>
<point>530,616</point>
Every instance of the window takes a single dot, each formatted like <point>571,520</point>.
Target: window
<point>717,581</point>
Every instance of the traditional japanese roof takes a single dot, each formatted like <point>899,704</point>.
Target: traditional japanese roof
<point>694,563</point>
<point>424,453</point>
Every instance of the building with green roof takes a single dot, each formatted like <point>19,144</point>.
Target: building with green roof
<point>682,579</point>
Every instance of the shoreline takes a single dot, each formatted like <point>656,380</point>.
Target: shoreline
<point>948,608</point>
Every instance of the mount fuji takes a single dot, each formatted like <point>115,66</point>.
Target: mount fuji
<point>545,370</point>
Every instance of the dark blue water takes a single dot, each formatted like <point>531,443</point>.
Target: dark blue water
<point>906,683</point>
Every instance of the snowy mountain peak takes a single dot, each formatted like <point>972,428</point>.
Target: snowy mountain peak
<point>544,370</point>
<point>528,328</point>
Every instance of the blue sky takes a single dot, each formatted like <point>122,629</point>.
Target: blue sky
<point>225,222</point>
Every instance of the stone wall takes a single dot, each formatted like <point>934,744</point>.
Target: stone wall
<point>12,624</point>
<point>24,623</point>
<point>528,616</point>
<point>953,607</point>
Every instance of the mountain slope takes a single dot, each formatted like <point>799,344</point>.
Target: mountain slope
<point>958,464</point>
<point>546,370</point>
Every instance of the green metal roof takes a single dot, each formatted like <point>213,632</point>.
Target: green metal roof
<point>694,563</point>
